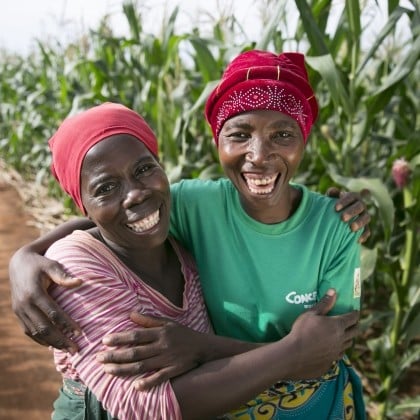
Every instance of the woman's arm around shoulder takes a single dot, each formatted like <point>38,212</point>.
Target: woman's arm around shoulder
<point>30,274</point>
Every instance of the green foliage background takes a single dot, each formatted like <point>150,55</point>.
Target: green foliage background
<point>367,83</point>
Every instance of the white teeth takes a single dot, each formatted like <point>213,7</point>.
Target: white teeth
<point>146,223</point>
<point>261,190</point>
<point>255,184</point>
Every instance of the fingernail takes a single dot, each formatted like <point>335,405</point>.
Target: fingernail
<point>100,357</point>
<point>330,292</point>
<point>138,385</point>
<point>72,350</point>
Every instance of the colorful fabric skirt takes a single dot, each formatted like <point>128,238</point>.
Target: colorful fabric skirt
<point>337,395</point>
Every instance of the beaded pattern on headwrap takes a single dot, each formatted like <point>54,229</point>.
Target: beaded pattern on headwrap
<point>261,97</point>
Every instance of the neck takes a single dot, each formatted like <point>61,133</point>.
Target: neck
<point>145,262</point>
<point>275,212</point>
<point>159,267</point>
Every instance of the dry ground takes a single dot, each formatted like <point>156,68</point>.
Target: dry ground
<point>28,380</point>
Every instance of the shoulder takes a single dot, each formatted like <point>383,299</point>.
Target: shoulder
<point>200,185</point>
<point>77,240</point>
<point>78,249</point>
<point>197,189</point>
<point>332,219</point>
<point>321,205</point>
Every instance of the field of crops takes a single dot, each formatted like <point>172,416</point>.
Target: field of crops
<point>367,136</point>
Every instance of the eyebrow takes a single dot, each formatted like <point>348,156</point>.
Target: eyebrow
<point>237,124</point>
<point>101,177</point>
<point>245,125</point>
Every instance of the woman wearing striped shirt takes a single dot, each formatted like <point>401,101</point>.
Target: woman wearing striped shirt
<point>106,159</point>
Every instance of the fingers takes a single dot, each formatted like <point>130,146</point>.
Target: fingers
<point>47,324</point>
<point>155,379</point>
<point>365,235</point>
<point>354,209</point>
<point>132,368</point>
<point>147,321</point>
<point>128,369</point>
<point>127,356</point>
<point>349,322</point>
<point>333,192</point>
<point>56,272</point>
<point>345,199</point>
<point>133,338</point>
<point>57,316</point>
<point>326,303</point>
<point>362,220</point>
<point>38,328</point>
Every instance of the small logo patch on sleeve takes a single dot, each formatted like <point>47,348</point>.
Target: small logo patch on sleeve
<point>357,287</point>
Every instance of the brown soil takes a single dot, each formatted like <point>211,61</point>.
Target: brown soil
<point>29,382</point>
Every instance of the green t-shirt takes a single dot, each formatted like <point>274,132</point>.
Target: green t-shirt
<point>257,278</point>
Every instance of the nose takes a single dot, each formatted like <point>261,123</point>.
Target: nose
<point>259,151</point>
<point>134,195</point>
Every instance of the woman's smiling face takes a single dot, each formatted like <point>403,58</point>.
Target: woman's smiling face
<point>126,193</point>
<point>260,152</point>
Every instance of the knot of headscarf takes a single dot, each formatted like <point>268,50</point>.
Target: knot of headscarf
<point>261,80</point>
<point>79,133</point>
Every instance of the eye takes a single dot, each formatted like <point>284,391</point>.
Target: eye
<point>283,136</point>
<point>144,169</point>
<point>105,189</point>
<point>238,136</point>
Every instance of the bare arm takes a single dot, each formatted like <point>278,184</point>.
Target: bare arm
<point>171,349</point>
<point>30,275</point>
<point>222,385</point>
<point>165,347</point>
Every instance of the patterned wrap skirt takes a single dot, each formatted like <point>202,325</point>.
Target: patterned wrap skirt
<point>337,395</point>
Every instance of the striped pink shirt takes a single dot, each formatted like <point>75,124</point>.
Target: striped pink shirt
<point>101,305</point>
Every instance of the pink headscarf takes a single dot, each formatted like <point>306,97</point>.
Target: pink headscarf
<point>78,133</point>
<point>262,80</point>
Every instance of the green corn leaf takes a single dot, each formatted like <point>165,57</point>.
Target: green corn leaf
<point>204,59</point>
<point>368,261</point>
<point>329,72</point>
<point>353,12</point>
<point>315,36</point>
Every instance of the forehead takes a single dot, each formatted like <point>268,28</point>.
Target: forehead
<point>266,117</point>
<point>114,150</point>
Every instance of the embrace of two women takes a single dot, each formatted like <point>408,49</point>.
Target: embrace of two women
<point>201,299</point>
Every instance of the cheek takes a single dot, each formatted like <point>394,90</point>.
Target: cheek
<point>227,153</point>
<point>101,213</point>
<point>159,182</point>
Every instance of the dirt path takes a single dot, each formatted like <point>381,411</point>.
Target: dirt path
<point>28,380</point>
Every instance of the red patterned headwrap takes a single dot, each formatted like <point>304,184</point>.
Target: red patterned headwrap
<point>77,134</point>
<point>262,80</point>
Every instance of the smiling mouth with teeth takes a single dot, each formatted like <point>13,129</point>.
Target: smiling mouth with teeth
<point>146,223</point>
<point>262,185</point>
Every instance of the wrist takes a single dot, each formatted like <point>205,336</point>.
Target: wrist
<point>290,350</point>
